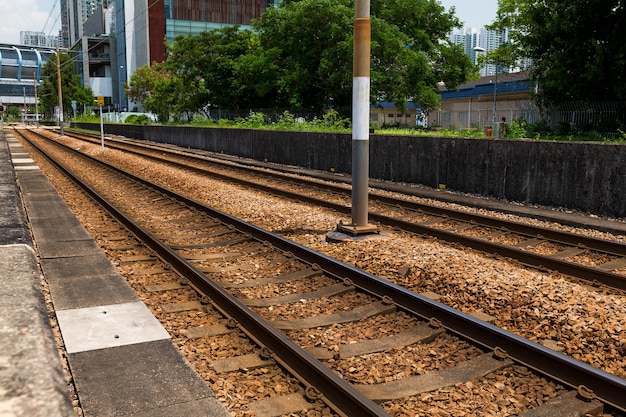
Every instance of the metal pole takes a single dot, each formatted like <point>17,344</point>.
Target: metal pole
<point>101,129</point>
<point>495,86</point>
<point>36,100</point>
<point>495,94</point>
<point>24,112</point>
<point>59,90</point>
<point>360,114</point>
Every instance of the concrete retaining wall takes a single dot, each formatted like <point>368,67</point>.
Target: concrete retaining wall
<point>584,176</point>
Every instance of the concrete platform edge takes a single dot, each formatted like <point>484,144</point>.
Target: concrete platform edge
<point>31,376</point>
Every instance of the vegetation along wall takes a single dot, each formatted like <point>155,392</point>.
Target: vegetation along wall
<point>585,176</point>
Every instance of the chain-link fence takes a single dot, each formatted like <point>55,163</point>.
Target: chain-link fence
<point>605,118</point>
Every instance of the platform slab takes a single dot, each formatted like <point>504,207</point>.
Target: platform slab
<point>143,379</point>
<point>12,219</point>
<point>100,327</point>
<point>69,248</point>
<point>22,160</point>
<point>58,229</point>
<point>203,407</point>
<point>33,183</point>
<point>83,292</point>
<point>26,168</point>
<point>46,205</point>
<point>76,267</point>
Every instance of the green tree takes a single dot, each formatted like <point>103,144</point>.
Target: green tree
<point>209,67</point>
<point>427,25</point>
<point>578,48</point>
<point>311,43</point>
<point>84,97</point>
<point>48,91</point>
<point>154,87</point>
<point>299,56</point>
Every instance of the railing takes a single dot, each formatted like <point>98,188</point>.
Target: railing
<point>606,118</point>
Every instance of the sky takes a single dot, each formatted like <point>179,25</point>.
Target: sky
<point>32,15</point>
<point>28,15</point>
<point>473,13</point>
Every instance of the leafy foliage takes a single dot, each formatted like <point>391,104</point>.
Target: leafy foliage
<point>137,119</point>
<point>154,86</point>
<point>210,65</point>
<point>70,86</point>
<point>331,121</point>
<point>313,41</point>
<point>299,57</point>
<point>310,45</point>
<point>578,48</point>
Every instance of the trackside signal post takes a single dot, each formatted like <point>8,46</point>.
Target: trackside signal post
<point>60,93</point>
<point>360,122</point>
<point>100,102</point>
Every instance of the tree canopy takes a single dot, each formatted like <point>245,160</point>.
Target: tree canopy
<point>299,56</point>
<point>70,85</point>
<point>578,48</point>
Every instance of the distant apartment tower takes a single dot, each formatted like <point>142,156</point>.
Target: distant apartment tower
<point>476,40</point>
<point>74,14</point>
<point>39,39</point>
<point>469,39</point>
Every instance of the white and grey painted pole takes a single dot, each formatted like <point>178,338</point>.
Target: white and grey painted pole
<point>360,117</point>
<point>59,91</point>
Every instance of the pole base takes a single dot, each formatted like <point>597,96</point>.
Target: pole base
<point>351,233</point>
<point>355,230</point>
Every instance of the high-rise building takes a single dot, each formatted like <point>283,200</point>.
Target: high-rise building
<point>477,42</point>
<point>143,27</point>
<point>74,14</point>
<point>138,31</point>
<point>29,38</point>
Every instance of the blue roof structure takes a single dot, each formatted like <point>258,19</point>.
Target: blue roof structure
<point>392,105</point>
<point>477,89</point>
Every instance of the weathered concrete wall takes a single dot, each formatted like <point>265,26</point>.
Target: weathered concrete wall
<point>583,176</point>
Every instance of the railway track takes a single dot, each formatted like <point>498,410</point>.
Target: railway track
<point>244,272</point>
<point>595,261</point>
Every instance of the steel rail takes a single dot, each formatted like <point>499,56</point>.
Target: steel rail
<point>337,393</point>
<point>606,387</point>
<point>543,262</point>
<point>602,245</point>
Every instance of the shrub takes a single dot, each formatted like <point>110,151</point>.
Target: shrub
<point>137,119</point>
<point>517,129</point>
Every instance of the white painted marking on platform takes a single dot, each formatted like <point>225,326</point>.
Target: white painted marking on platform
<point>26,168</point>
<point>23,161</point>
<point>108,326</point>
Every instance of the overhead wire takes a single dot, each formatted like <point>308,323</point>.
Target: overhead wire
<point>49,15</point>
<point>54,24</point>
